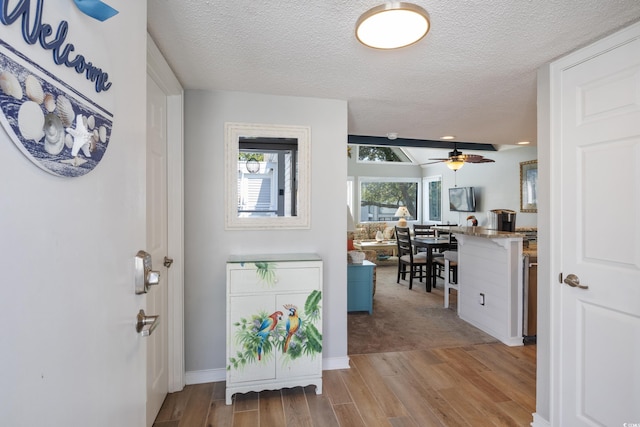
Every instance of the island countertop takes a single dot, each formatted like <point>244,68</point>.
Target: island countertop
<point>479,232</point>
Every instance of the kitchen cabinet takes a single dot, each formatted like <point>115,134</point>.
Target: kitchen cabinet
<point>274,322</point>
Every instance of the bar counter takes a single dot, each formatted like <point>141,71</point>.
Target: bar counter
<point>490,280</point>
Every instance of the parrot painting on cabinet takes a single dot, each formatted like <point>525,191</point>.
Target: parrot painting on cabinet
<point>292,325</point>
<point>259,335</point>
<point>268,325</point>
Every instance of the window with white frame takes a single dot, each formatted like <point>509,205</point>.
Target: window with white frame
<point>350,196</point>
<point>380,198</point>
<point>432,188</point>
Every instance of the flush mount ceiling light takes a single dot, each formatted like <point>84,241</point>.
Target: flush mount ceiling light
<point>392,25</point>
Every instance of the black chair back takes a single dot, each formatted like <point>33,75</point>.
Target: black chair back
<point>423,230</point>
<point>403,238</point>
<point>407,262</point>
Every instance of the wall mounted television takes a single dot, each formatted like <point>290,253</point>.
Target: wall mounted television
<point>462,199</point>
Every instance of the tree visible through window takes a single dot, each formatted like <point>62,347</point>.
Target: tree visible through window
<point>379,200</point>
<point>369,153</point>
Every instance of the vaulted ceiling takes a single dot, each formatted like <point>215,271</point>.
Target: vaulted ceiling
<point>472,76</point>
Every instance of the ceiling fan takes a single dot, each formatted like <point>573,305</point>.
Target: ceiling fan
<point>456,159</point>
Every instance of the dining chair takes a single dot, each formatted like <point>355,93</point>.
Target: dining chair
<point>438,267</point>
<point>422,230</point>
<point>449,263</point>
<point>408,262</point>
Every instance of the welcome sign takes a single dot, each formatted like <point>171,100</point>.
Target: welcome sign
<point>54,96</point>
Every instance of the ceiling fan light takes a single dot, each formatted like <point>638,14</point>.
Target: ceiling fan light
<point>454,165</point>
<point>392,25</point>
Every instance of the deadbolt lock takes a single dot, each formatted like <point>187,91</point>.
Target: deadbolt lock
<point>144,275</point>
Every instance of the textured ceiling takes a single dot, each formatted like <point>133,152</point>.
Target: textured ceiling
<point>472,76</point>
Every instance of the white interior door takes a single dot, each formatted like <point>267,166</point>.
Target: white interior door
<point>597,329</point>
<point>157,246</point>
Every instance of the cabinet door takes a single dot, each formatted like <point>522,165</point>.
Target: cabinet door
<point>301,351</point>
<point>253,339</point>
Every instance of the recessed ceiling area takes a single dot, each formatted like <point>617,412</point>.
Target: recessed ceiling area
<point>474,75</point>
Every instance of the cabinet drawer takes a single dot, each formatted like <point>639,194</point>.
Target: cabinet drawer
<point>260,277</point>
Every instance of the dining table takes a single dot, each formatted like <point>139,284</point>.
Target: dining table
<point>429,244</point>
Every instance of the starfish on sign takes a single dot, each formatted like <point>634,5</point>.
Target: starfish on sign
<point>81,137</point>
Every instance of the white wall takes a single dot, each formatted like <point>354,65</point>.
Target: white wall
<point>208,245</point>
<point>69,354</point>
<point>497,185</point>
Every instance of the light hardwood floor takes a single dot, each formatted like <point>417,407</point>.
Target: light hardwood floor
<point>480,385</point>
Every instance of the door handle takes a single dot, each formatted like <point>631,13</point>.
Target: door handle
<point>144,275</point>
<point>574,281</point>
<point>145,325</point>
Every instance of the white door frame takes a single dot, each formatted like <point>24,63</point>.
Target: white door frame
<point>161,73</point>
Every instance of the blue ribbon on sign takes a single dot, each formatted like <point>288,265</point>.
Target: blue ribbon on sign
<point>96,9</point>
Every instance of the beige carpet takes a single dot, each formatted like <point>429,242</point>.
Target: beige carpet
<point>406,319</point>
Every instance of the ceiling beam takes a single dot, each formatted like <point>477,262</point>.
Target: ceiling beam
<point>424,143</point>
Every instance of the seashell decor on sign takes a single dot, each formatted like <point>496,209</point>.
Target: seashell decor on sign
<point>54,134</point>
<point>31,121</point>
<point>10,85</point>
<point>62,131</point>
<point>34,89</point>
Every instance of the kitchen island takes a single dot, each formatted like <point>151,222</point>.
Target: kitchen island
<point>490,281</point>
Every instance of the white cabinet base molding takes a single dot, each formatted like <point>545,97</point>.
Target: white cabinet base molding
<point>274,322</point>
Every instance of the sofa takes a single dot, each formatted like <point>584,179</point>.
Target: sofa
<point>367,231</point>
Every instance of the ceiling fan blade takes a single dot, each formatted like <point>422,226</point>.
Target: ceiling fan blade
<point>474,158</point>
<point>434,161</point>
<point>457,156</point>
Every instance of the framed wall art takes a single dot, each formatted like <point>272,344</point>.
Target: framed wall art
<point>529,186</point>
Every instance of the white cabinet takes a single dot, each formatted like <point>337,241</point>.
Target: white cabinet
<point>274,322</point>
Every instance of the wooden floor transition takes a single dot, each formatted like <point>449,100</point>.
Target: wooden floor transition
<point>479,385</point>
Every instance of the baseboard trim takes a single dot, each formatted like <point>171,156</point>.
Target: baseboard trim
<point>205,376</point>
<point>330,364</point>
<point>538,421</point>
<point>215,375</point>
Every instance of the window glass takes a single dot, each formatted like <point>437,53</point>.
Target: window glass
<point>350,196</point>
<point>381,197</point>
<point>371,153</point>
<point>435,200</point>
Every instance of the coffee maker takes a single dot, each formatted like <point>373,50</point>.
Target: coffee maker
<point>501,220</point>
